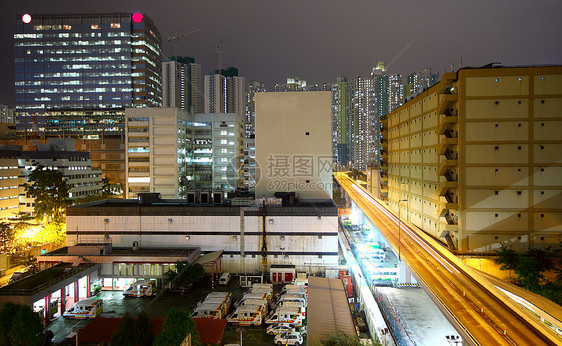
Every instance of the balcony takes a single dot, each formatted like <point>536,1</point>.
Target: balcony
<point>445,164</point>
<point>446,121</point>
<point>445,186</point>
<point>445,144</point>
<point>384,143</point>
<point>445,101</point>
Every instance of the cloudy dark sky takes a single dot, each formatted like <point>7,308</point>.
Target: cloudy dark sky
<point>319,40</point>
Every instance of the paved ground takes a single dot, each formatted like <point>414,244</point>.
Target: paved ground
<point>423,321</point>
<point>116,306</point>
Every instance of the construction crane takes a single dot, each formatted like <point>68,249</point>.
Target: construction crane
<point>218,53</point>
<point>177,37</point>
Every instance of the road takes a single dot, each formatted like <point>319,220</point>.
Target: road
<point>482,314</point>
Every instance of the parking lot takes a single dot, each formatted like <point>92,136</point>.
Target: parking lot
<point>115,306</point>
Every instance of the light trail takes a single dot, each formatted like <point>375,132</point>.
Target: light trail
<point>403,227</point>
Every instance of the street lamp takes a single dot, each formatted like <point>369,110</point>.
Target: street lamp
<point>399,224</point>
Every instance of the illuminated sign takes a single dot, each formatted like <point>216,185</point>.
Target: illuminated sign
<point>26,18</point>
<point>137,17</point>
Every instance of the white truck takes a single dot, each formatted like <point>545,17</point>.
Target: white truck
<point>292,315</point>
<point>246,315</point>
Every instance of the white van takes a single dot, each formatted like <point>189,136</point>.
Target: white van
<point>224,279</point>
<point>300,282</point>
<point>258,295</point>
<point>219,294</point>
<point>292,315</point>
<point>259,285</point>
<point>85,309</point>
<point>141,288</point>
<point>262,302</point>
<point>294,297</point>
<point>209,310</point>
<point>261,289</point>
<point>246,315</point>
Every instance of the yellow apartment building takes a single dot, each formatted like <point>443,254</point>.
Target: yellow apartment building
<point>476,160</point>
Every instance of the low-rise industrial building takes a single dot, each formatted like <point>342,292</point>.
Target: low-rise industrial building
<point>252,238</point>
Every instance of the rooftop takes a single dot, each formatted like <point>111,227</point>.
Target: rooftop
<point>177,207</point>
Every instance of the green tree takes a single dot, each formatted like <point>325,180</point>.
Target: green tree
<point>50,192</point>
<point>176,327</point>
<point>144,330</point>
<point>184,274</point>
<point>7,237</point>
<point>508,259</point>
<point>106,186</point>
<point>125,335</point>
<point>19,325</point>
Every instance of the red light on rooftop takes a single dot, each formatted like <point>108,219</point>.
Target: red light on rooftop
<point>137,17</point>
<point>26,18</point>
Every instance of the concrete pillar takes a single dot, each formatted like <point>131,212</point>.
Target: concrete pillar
<point>76,292</point>
<point>62,300</point>
<point>404,273</point>
<point>88,286</point>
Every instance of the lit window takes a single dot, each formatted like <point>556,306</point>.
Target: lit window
<point>94,27</point>
<point>115,25</point>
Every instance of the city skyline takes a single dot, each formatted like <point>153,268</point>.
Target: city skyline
<point>314,42</point>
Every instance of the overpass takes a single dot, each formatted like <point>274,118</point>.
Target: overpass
<point>481,313</point>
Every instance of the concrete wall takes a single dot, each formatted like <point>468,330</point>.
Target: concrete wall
<point>308,242</point>
<point>294,144</point>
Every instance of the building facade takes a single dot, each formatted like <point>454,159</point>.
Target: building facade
<point>7,114</point>
<point>294,144</point>
<point>170,151</point>
<point>478,159</point>
<point>181,84</point>
<point>225,92</point>
<point>11,181</point>
<point>60,155</point>
<point>67,64</point>
<point>302,235</point>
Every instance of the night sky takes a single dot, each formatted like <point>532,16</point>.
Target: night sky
<point>318,40</point>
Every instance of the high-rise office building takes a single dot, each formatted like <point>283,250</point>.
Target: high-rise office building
<point>477,157</point>
<point>181,84</point>
<point>72,68</point>
<point>225,92</point>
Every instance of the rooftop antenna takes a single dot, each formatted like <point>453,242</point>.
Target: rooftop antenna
<point>218,53</point>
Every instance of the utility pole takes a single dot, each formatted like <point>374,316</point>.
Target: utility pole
<point>399,226</point>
